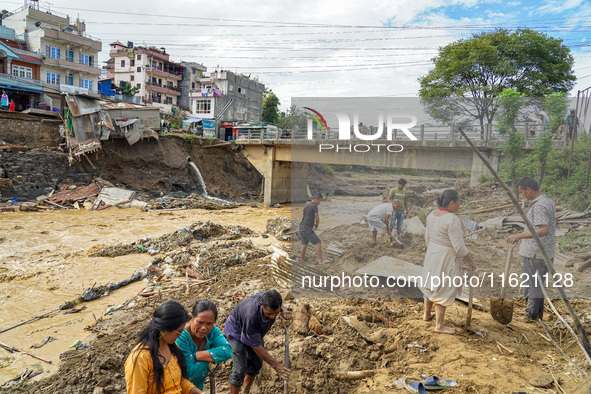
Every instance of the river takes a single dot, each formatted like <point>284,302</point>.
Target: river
<point>43,263</point>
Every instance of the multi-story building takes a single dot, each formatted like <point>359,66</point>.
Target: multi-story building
<point>192,73</point>
<point>19,71</point>
<point>69,54</point>
<point>150,69</point>
<point>229,99</point>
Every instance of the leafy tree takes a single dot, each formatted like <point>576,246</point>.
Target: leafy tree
<point>470,74</point>
<point>129,91</point>
<point>510,103</point>
<point>270,107</point>
<point>556,106</point>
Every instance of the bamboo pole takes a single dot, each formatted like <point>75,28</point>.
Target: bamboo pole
<point>532,231</point>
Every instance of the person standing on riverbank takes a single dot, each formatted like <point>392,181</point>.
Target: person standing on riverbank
<point>245,328</point>
<point>542,215</point>
<point>399,193</point>
<point>310,221</point>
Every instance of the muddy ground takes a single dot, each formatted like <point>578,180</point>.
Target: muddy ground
<point>488,358</point>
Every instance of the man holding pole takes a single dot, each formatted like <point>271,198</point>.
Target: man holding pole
<point>542,215</point>
<point>245,328</point>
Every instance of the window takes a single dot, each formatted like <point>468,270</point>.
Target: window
<point>193,71</point>
<point>23,72</point>
<point>122,63</point>
<point>91,61</point>
<point>70,55</point>
<point>168,100</point>
<point>53,79</point>
<point>231,88</point>
<point>132,63</point>
<point>86,83</point>
<point>84,59</point>
<point>203,106</point>
<point>139,85</point>
<point>52,52</point>
<point>241,90</point>
<point>70,79</point>
<point>193,85</point>
<point>139,70</point>
<point>132,77</point>
<point>139,57</point>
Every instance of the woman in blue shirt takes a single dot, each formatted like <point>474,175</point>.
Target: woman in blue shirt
<point>202,342</point>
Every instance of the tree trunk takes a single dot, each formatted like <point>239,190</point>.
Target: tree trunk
<point>542,170</point>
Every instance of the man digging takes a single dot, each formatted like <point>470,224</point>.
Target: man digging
<point>379,218</point>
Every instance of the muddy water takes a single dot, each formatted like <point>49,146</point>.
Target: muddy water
<point>340,210</point>
<point>43,263</point>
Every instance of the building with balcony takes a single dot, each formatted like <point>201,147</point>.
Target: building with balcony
<point>192,73</point>
<point>19,71</point>
<point>149,69</point>
<point>69,55</point>
<point>229,99</point>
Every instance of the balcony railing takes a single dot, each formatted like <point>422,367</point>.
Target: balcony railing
<point>66,63</point>
<point>164,73</point>
<point>175,90</point>
<point>21,79</point>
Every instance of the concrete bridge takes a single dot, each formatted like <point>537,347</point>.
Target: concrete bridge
<point>284,162</point>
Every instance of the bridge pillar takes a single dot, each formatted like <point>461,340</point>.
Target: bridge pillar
<point>478,167</point>
<point>284,181</point>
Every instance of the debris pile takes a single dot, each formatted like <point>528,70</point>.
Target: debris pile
<point>194,201</point>
<point>280,227</point>
<point>196,232</point>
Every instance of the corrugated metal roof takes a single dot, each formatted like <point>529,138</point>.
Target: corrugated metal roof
<point>113,105</point>
<point>80,105</point>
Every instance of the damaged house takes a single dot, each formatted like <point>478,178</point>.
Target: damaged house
<point>89,121</point>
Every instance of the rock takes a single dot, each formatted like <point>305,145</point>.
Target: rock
<point>315,325</point>
<point>98,390</point>
<point>542,380</point>
<point>301,319</point>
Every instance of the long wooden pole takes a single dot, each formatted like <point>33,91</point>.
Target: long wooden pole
<point>12,348</point>
<point>532,231</point>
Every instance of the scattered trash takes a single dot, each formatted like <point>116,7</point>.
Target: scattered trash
<point>28,373</point>
<point>280,227</point>
<point>78,342</point>
<point>45,341</point>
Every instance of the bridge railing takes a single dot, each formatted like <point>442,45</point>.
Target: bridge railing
<point>530,130</point>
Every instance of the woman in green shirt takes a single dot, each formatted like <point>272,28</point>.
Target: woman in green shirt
<point>202,342</point>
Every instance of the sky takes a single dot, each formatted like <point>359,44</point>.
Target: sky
<point>344,48</point>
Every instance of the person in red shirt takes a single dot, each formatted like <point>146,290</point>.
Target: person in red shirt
<point>11,106</point>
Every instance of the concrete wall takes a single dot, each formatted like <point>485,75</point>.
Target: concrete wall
<point>247,106</point>
<point>29,130</point>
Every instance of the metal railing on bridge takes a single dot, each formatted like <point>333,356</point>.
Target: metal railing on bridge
<point>531,131</point>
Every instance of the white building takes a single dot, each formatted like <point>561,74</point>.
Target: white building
<point>69,54</point>
<point>149,69</point>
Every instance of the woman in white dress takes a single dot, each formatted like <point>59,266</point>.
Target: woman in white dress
<point>445,248</point>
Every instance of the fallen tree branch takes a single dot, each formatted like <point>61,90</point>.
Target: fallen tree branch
<point>558,347</point>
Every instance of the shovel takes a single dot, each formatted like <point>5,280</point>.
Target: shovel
<point>501,309</point>
<point>287,327</point>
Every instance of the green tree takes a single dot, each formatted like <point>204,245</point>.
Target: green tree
<point>129,91</point>
<point>556,106</point>
<point>510,103</point>
<point>270,107</point>
<point>470,74</point>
